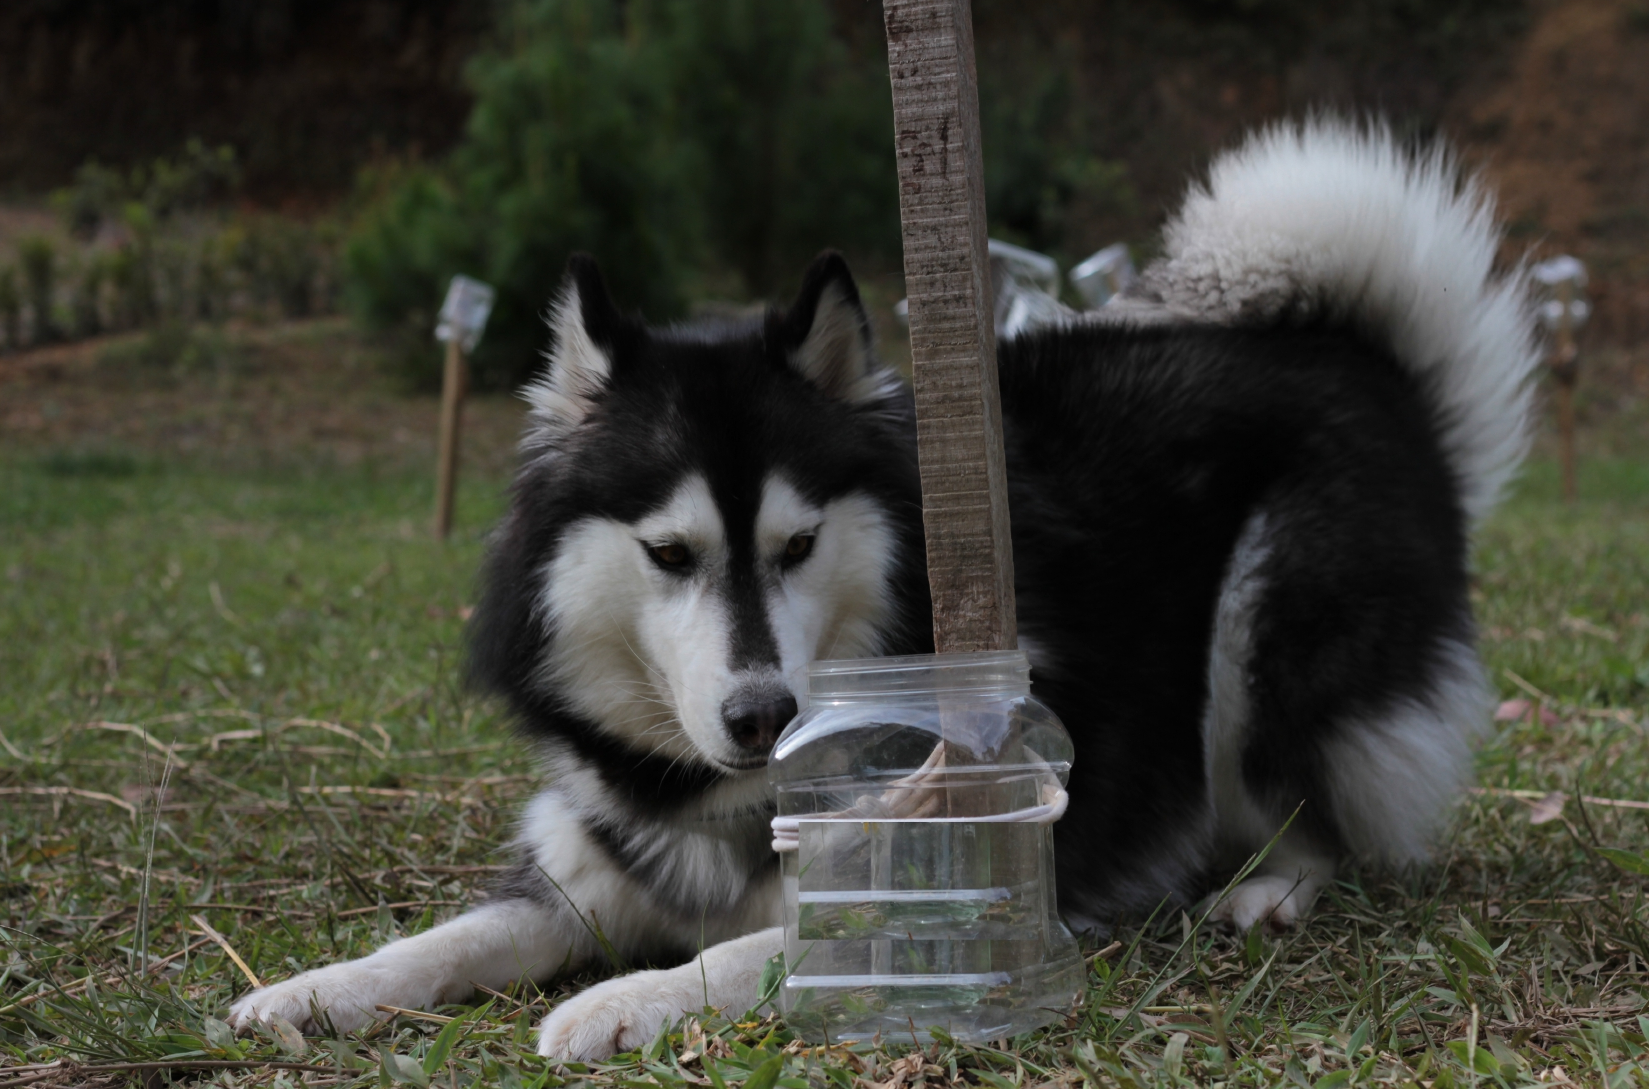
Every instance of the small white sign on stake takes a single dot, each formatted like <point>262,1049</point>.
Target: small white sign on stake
<point>1565,277</point>
<point>464,313</point>
<point>463,317</point>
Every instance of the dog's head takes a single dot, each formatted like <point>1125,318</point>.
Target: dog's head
<point>702,511</point>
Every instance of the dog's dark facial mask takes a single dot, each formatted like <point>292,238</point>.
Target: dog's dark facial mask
<point>704,509</point>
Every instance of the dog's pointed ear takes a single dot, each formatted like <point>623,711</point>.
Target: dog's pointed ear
<point>826,334</point>
<point>584,326</point>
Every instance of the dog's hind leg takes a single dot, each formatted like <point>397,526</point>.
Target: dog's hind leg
<point>1280,891</point>
<point>1286,881</point>
<point>491,945</point>
<point>1391,776</point>
<point>1386,780</point>
<point>1343,690</point>
<point>625,1013</point>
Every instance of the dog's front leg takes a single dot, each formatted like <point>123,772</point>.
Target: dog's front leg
<point>492,945</point>
<point>623,1014</point>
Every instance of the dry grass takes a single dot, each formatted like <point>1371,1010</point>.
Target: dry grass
<point>230,699</point>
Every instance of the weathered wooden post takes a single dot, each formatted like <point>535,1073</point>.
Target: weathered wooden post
<point>454,385</point>
<point>952,334</point>
<point>463,317</point>
<point>951,808</point>
<point>1563,314</point>
<point>1565,366</point>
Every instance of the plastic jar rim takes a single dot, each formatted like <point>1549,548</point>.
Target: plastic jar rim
<point>957,673</point>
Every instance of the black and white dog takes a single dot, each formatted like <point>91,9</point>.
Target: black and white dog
<point>1242,502</point>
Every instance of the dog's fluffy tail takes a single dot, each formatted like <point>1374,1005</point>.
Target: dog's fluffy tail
<point>1332,218</point>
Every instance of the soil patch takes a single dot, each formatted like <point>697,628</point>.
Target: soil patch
<point>291,393</point>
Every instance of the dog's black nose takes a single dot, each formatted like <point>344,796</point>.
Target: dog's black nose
<point>755,722</point>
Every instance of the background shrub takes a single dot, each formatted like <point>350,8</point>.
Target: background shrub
<point>281,261</point>
<point>564,151</point>
<point>679,142</point>
<point>38,256</point>
<point>86,305</point>
<point>11,309</point>
<point>1040,169</point>
<point>686,145</point>
<point>789,134</point>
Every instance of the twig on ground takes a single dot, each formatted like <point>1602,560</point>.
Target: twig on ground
<point>1540,795</point>
<point>166,1064</point>
<point>401,904</point>
<point>403,1012</point>
<point>112,981</point>
<point>74,792</point>
<point>223,943</point>
<point>167,749</point>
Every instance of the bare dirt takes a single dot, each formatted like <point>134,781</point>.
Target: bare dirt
<point>287,394</point>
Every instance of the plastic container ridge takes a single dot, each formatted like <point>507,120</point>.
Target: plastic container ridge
<point>916,798</point>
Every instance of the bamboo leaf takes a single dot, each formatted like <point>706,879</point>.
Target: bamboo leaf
<point>402,1070</point>
<point>1629,861</point>
<point>438,1051</point>
<point>765,1075</point>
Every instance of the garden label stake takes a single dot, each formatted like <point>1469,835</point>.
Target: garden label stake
<point>1562,314</point>
<point>952,324</point>
<point>463,317</point>
<point>454,384</point>
<point>1565,367</point>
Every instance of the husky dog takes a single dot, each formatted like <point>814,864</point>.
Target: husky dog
<point>1242,501</point>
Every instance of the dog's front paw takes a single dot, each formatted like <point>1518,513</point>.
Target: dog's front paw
<point>1279,902</point>
<point>348,993</point>
<point>618,1015</point>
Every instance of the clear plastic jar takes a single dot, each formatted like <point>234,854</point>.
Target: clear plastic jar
<point>915,805</point>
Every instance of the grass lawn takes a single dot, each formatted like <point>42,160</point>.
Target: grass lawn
<point>230,699</point>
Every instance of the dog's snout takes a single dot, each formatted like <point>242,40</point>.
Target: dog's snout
<point>755,722</point>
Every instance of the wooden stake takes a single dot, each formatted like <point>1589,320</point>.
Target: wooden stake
<point>1565,367</point>
<point>952,330</point>
<point>454,384</point>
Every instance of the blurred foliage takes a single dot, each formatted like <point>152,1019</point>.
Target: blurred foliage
<point>38,256</point>
<point>86,304</point>
<point>1370,39</point>
<point>683,144</point>
<point>162,246</point>
<point>173,345</point>
<point>197,177</point>
<point>564,151</point>
<point>790,132</point>
<point>1040,166</point>
<point>711,149</point>
<point>282,260</point>
<point>11,309</point>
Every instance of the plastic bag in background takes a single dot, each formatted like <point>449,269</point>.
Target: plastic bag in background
<point>1104,275</point>
<point>1026,286</point>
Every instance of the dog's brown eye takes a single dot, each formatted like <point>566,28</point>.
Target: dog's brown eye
<point>670,555</point>
<point>798,547</point>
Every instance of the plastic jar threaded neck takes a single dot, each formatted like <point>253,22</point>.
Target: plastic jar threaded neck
<point>972,674</point>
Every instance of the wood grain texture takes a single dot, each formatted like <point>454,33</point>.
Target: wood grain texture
<point>454,385</point>
<point>952,331</point>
